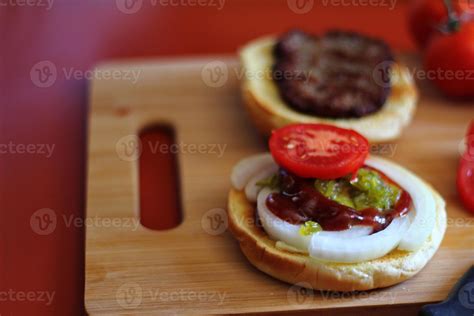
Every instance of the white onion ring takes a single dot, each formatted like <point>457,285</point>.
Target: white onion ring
<point>279,229</point>
<point>359,249</point>
<point>354,244</point>
<point>424,206</point>
<point>354,231</point>
<point>245,169</point>
<point>252,189</point>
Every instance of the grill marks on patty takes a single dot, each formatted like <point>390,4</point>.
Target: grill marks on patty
<point>336,75</point>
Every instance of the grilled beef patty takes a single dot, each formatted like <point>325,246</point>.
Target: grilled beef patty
<point>338,75</point>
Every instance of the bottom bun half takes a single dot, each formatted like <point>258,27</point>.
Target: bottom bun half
<point>296,267</point>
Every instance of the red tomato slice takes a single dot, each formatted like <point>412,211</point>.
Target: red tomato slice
<point>465,182</point>
<point>318,150</point>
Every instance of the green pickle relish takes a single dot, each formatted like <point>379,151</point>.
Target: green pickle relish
<point>367,189</point>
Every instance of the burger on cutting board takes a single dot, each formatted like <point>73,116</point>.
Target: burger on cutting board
<point>318,209</point>
<point>340,78</point>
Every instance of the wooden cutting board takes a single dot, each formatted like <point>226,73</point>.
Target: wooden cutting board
<point>194,269</point>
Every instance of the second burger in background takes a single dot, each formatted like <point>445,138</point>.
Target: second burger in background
<point>341,78</point>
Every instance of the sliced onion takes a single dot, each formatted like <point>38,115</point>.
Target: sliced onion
<point>280,230</point>
<point>252,189</point>
<point>352,245</point>
<point>277,228</point>
<point>245,169</point>
<point>423,202</point>
<point>358,249</point>
<point>354,231</point>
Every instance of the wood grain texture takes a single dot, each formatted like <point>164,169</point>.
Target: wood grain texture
<point>195,269</point>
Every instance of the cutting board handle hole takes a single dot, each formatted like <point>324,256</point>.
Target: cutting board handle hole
<point>160,192</point>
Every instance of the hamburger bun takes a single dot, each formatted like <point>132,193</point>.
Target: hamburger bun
<point>293,266</point>
<point>269,111</point>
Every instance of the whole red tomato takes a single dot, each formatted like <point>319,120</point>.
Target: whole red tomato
<point>465,178</point>
<point>423,18</point>
<point>449,60</point>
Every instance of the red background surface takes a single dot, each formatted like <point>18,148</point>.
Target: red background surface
<point>77,34</point>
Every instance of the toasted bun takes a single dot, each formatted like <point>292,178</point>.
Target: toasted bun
<point>298,268</point>
<point>268,110</point>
